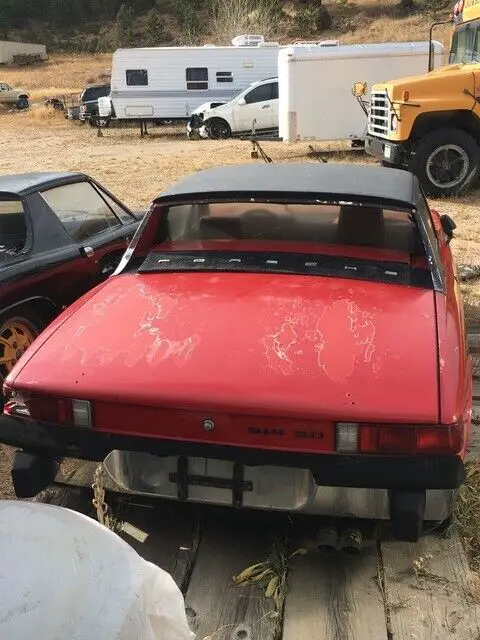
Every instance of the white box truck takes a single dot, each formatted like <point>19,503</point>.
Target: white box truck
<point>315,83</point>
<point>168,83</point>
<point>8,49</point>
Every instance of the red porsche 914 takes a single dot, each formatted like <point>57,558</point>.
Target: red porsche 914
<point>285,337</point>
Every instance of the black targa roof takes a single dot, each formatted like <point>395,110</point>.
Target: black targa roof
<point>308,181</point>
<point>23,183</point>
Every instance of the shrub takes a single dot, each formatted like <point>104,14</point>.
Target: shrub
<point>312,19</point>
<point>342,15</point>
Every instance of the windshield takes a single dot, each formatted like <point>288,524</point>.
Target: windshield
<point>346,240</point>
<point>466,43</point>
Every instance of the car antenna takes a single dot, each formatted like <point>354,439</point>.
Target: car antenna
<point>317,155</point>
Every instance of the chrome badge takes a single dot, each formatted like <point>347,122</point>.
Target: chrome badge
<point>208,425</point>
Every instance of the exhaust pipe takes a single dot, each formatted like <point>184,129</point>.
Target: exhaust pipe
<point>351,542</point>
<point>327,540</point>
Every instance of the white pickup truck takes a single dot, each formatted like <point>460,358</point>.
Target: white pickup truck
<point>11,96</point>
<point>254,108</point>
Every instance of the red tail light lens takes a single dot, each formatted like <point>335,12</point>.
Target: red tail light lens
<point>405,440</point>
<point>396,439</point>
<point>448,439</point>
<point>36,407</point>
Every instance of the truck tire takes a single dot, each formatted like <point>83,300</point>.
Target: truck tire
<point>447,162</point>
<point>218,129</point>
<point>18,329</point>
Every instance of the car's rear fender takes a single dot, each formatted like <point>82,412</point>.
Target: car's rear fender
<point>454,363</point>
<point>50,330</point>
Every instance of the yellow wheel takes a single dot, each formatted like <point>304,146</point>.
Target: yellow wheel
<point>16,335</point>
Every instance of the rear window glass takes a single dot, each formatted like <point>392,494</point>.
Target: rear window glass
<point>295,223</point>
<point>13,227</point>
<point>81,210</point>
<point>350,241</point>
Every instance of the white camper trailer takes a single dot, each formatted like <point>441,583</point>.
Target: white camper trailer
<point>168,83</point>
<point>9,49</point>
<point>314,85</point>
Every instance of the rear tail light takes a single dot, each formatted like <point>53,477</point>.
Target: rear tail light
<point>399,439</point>
<point>64,411</point>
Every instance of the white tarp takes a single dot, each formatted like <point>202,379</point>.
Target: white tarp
<point>65,577</point>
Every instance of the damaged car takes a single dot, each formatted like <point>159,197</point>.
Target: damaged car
<point>281,337</point>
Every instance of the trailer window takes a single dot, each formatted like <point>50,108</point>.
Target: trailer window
<point>136,77</point>
<point>224,76</point>
<point>197,78</point>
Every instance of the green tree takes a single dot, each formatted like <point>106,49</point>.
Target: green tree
<point>124,26</point>
<point>66,12</point>
<point>154,29</point>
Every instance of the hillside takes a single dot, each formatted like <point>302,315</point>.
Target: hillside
<point>98,26</point>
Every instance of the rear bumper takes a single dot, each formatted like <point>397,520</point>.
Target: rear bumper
<point>407,473</point>
<point>395,153</point>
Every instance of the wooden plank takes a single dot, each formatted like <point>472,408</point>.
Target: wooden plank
<point>475,365</point>
<point>72,497</point>
<point>335,597</point>
<point>217,608</point>
<point>165,534</point>
<point>171,536</point>
<point>429,590</point>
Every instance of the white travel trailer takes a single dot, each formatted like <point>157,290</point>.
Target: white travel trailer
<point>8,49</point>
<point>168,83</point>
<point>314,85</point>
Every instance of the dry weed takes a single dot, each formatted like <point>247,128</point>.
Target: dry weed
<point>60,75</point>
<point>467,510</point>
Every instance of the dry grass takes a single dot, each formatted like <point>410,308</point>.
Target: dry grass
<point>397,30</point>
<point>467,510</point>
<point>61,75</point>
<point>44,140</point>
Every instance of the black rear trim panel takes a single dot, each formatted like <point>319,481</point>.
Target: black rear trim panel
<point>337,470</point>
